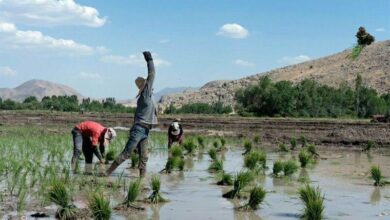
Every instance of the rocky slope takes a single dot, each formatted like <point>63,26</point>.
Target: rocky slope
<point>37,88</point>
<point>373,64</point>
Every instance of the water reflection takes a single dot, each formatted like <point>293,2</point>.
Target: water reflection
<point>375,197</point>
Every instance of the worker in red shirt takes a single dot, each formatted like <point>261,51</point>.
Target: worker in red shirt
<point>88,136</point>
<point>175,133</point>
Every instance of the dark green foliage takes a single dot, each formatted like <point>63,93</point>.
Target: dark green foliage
<point>289,167</point>
<point>223,142</point>
<point>255,160</point>
<point>216,144</point>
<point>201,142</point>
<point>176,151</point>
<point>277,168</point>
<point>376,175</point>
<point>155,197</point>
<point>293,143</point>
<point>241,180</point>
<point>304,158</point>
<point>67,104</point>
<point>247,147</point>
<point>134,160</point>
<point>282,147</point>
<point>61,196</point>
<point>189,146</point>
<point>100,207</point>
<point>256,197</point>
<point>213,153</point>
<point>309,99</point>
<point>356,50</point>
<point>303,140</point>
<point>363,37</point>
<point>226,179</point>
<point>216,166</point>
<point>257,139</point>
<point>110,156</point>
<point>133,192</point>
<point>180,164</point>
<point>200,108</point>
<point>172,163</point>
<point>313,203</point>
<point>311,148</point>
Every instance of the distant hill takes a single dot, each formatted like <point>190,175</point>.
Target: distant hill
<point>373,64</point>
<point>37,88</point>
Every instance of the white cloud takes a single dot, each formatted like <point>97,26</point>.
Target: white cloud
<point>233,31</point>
<point>86,75</point>
<point>295,60</point>
<point>380,30</point>
<point>15,38</point>
<point>244,63</point>
<point>50,13</point>
<point>134,60</point>
<point>7,71</point>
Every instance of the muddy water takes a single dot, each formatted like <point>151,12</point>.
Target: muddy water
<point>343,177</point>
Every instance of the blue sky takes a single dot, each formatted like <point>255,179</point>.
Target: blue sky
<point>95,46</point>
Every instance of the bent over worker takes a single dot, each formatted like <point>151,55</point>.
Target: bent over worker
<point>90,138</point>
<point>144,118</point>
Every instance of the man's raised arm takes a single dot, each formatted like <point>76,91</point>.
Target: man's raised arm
<point>151,70</point>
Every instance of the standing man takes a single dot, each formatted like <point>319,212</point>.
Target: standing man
<point>144,118</point>
<point>88,136</point>
<point>175,133</point>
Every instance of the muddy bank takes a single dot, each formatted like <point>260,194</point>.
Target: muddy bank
<point>272,130</point>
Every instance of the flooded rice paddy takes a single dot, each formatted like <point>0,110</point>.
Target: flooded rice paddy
<point>342,175</point>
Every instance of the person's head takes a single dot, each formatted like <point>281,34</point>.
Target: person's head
<point>175,128</point>
<point>140,82</point>
<point>109,136</point>
<point>362,29</point>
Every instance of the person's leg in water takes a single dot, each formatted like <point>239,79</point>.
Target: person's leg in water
<point>77,148</point>
<point>143,157</point>
<point>88,154</point>
<point>137,133</point>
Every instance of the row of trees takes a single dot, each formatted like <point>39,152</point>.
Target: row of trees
<point>200,108</point>
<point>65,103</point>
<point>310,99</point>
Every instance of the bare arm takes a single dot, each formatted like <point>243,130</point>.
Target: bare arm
<point>151,70</point>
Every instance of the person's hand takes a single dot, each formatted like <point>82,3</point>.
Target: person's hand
<point>147,55</point>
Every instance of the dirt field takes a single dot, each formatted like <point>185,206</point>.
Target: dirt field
<point>272,130</point>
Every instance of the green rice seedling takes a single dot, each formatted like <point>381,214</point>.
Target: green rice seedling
<point>223,142</point>
<point>369,146</point>
<point>376,175</point>
<point>282,147</point>
<point>176,151</point>
<point>277,168</point>
<point>155,184</point>
<point>134,160</point>
<point>216,166</point>
<point>289,167</point>
<point>311,148</point>
<point>303,140</point>
<point>247,147</point>
<point>216,144</point>
<point>110,156</point>
<point>180,164</point>
<point>304,158</point>
<point>189,146</point>
<point>313,202</point>
<point>256,197</point>
<point>255,160</point>
<point>170,165</point>
<point>293,143</point>
<point>132,194</point>
<point>213,153</point>
<point>60,196</point>
<point>257,140</point>
<point>241,180</point>
<point>21,201</point>
<point>100,207</point>
<point>201,142</point>
<point>226,179</point>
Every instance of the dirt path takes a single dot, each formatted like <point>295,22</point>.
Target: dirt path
<point>324,131</point>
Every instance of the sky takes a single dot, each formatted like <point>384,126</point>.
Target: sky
<point>95,46</point>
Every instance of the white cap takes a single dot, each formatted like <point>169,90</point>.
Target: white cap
<point>176,128</point>
<point>110,134</point>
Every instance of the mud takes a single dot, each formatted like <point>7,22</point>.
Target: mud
<point>321,131</point>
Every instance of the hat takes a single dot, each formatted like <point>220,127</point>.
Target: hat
<point>176,128</point>
<point>110,134</point>
<point>140,82</point>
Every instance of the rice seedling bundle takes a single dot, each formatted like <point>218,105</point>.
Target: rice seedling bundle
<point>313,202</point>
<point>100,207</point>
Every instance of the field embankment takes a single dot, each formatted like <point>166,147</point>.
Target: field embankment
<point>272,130</point>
